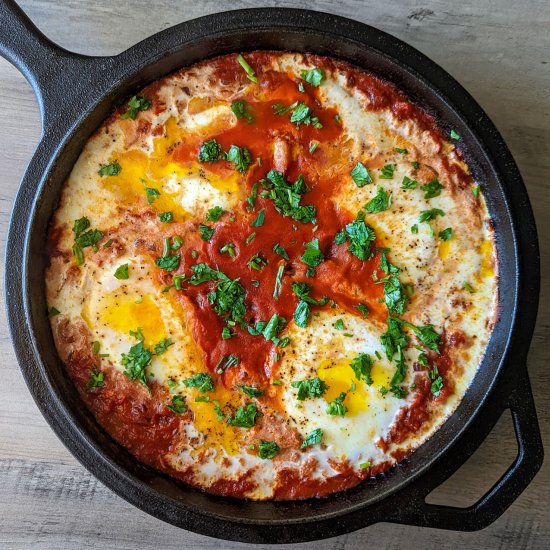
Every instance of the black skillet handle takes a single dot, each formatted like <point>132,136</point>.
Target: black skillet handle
<point>515,394</point>
<point>58,77</point>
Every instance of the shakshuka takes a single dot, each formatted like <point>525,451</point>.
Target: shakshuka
<point>271,275</point>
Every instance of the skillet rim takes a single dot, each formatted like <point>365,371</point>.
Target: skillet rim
<point>49,411</point>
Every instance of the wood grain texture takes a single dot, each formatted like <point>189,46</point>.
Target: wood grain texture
<point>500,51</point>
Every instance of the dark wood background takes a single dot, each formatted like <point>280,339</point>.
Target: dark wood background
<point>499,51</point>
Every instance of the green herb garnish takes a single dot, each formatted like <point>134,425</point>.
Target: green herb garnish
<point>362,366</point>
<point>96,380</point>
<point>314,77</point>
<point>267,449</point>
<point>310,389</point>
<point>313,438</point>
<point>380,202</point>
<point>202,381</point>
<point>122,272</point>
<point>112,169</point>
<point>432,189</point>
<point>178,405</point>
<point>240,157</point>
<point>250,74</point>
<point>386,173</point>
<point>251,391</point>
<point>210,151</point>
<point>360,175</point>
<point>214,214</point>
<point>240,110</point>
<point>135,105</point>
<point>245,417</point>
<point>446,234</point>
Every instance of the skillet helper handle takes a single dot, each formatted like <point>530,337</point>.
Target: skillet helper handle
<point>53,72</point>
<point>512,483</point>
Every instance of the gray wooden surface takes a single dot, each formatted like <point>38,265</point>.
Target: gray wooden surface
<point>499,51</point>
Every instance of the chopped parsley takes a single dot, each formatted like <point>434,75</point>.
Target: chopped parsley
<point>273,327</point>
<point>312,146</point>
<point>226,362</point>
<point>202,381</point>
<point>363,309</point>
<point>135,105</point>
<point>468,287</point>
<point>168,262</point>
<point>214,214</point>
<point>401,151</point>
<point>415,164</point>
<point>380,202</point>
<point>166,217</point>
<point>310,389</point>
<point>278,249</point>
<point>84,239</point>
<point>251,391</point>
<point>437,381</point>
<point>259,219</point>
<point>53,311</point>
<point>314,77</point>
<point>136,361</point>
<point>427,335</point>
<point>432,189</point>
<point>446,234</point>
<point>394,339</point>
<point>122,272</point>
<point>365,465</point>
<point>240,157</point>
<point>250,74</point>
<point>475,191</point>
<point>210,151</point>
<point>360,175</point>
<point>257,262</point>
<point>228,248</point>
<point>313,438</point>
<point>151,194</point>
<point>112,169</point>
<point>250,237</point>
<point>300,114</point>
<point>360,236</point>
<point>312,256</point>
<point>251,199</point>
<point>408,183</point>
<point>286,197</point>
<point>454,135</point>
<point>362,366</point>
<point>245,417</point>
<point>414,229</point>
<point>429,215</point>
<point>302,314</point>
<point>339,325</point>
<point>386,173</point>
<point>226,333</point>
<point>267,449</point>
<point>206,232</point>
<point>96,380</point>
<point>162,346</point>
<point>178,405</point>
<point>240,110</point>
<point>394,294</point>
<point>337,407</point>
<point>278,282</point>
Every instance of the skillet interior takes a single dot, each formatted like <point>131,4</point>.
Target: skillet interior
<point>180,46</point>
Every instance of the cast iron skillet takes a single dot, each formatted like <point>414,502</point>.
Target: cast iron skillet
<point>76,93</point>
